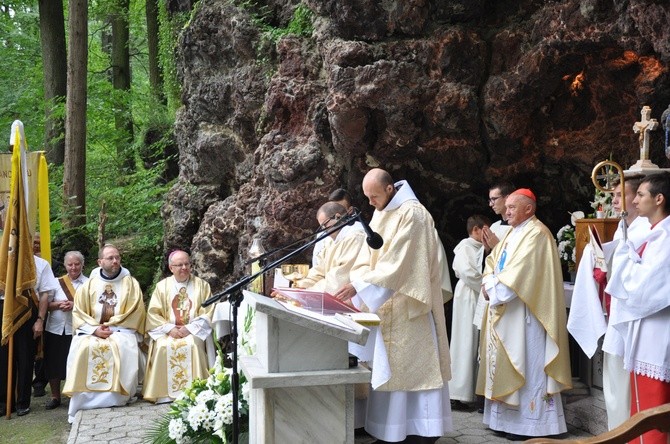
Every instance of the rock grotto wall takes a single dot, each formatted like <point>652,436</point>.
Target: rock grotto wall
<point>451,95</point>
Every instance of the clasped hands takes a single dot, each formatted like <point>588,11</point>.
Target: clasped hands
<point>489,239</point>
<point>65,305</point>
<point>179,332</point>
<point>103,332</point>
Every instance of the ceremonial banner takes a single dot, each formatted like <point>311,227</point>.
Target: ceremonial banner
<point>17,266</point>
<point>37,191</point>
<point>32,167</point>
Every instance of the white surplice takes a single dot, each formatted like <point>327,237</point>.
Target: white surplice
<point>467,266</point>
<point>642,288</point>
<point>587,322</point>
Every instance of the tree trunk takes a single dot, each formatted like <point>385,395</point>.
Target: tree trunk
<point>74,169</point>
<point>123,119</point>
<point>155,74</point>
<point>54,57</point>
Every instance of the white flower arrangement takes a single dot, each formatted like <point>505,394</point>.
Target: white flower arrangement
<point>566,246</point>
<point>602,201</point>
<point>204,410</point>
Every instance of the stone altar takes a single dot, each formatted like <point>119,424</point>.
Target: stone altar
<point>302,385</point>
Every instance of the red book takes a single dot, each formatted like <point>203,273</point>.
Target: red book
<point>316,301</point>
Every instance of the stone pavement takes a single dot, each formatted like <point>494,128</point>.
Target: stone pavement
<point>129,424</point>
<point>123,425</point>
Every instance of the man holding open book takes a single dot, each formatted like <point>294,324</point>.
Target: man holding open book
<point>331,271</point>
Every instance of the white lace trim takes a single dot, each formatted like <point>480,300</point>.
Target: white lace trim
<point>653,371</point>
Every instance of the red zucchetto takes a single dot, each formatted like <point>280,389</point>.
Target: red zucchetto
<point>525,192</point>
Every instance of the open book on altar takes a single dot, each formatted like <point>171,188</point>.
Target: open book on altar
<point>316,301</point>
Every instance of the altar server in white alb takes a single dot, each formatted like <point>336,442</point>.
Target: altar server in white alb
<point>180,330</point>
<point>525,361</point>
<point>640,283</point>
<point>467,265</point>
<point>592,307</point>
<point>103,366</point>
<point>402,283</point>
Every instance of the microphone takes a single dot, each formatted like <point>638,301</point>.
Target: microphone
<point>374,240</point>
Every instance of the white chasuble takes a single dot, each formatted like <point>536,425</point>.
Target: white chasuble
<point>404,283</point>
<point>336,260</point>
<point>100,365</point>
<point>179,365</point>
<point>104,372</point>
<point>175,362</point>
<point>524,345</point>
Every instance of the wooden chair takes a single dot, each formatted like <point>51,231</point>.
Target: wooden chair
<point>655,418</point>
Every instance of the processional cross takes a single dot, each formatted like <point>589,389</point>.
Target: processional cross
<point>643,127</point>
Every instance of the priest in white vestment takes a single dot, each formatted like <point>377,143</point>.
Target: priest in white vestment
<point>525,361</point>
<point>179,328</point>
<point>331,271</point>
<point>341,197</point>
<point>103,365</point>
<point>467,265</point>
<point>591,307</point>
<point>401,282</point>
<point>640,283</point>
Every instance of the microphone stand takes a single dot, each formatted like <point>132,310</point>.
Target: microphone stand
<point>282,248</point>
<point>234,294</point>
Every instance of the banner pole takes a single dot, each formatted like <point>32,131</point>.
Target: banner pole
<point>10,369</point>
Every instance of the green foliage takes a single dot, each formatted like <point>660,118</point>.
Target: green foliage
<point>157,431</point>
<point>170,26</point>
<point>132,201</point>
<point>21,90</point>
<point>300,25</point>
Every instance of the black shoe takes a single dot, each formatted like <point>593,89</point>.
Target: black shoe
<point>360,432</point>
<point>22,412</point>
<point>515,437</point>
<point>459,405</point>
<point>38,391</point>
<point>52,404</point>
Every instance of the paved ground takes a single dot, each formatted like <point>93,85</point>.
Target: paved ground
<point>127,425</point>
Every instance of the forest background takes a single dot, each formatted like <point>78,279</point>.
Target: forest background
<point>110,150</point>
